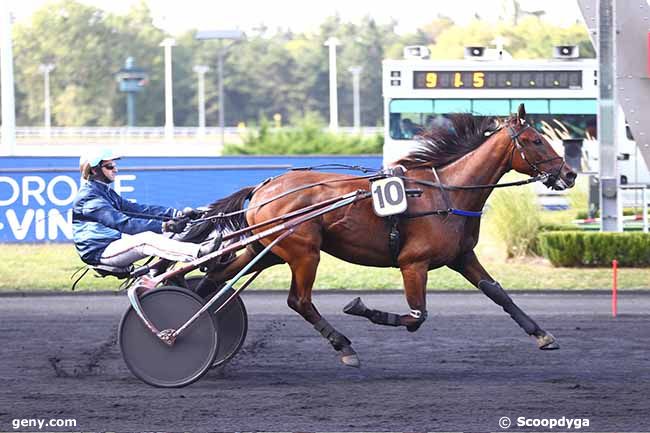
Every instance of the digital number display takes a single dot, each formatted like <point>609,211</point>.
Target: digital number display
<point>497,79</point>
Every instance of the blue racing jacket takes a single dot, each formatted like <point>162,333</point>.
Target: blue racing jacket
<point>100,216</point>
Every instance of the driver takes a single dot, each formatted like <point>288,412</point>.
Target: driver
<point>110,230</point>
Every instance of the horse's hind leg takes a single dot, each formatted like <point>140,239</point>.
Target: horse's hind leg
<point>471,268</point>
<point>303,274</point>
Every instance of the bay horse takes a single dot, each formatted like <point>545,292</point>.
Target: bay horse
<point>476,151</point>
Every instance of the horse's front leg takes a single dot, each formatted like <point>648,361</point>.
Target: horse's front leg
<point>414,276</point>
<point>469,267</point>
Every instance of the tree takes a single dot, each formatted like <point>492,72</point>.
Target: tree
<point>88,46</point>
<point>270,72</point>
<point>531,38</point>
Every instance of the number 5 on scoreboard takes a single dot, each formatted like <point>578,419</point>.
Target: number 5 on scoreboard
<point>388,196</point>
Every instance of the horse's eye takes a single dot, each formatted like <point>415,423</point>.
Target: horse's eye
<point>538,141</point>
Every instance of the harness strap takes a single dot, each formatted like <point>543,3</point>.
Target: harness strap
<point>467,213</point>
<point>398,170</point>
<point>336,166</point>
<point>445,196</point>
<point>453,211</point>
<point>260,185</point>
<point>427,213</point>
<point>394,239</point>
<point>443,190</point>
<point>283,194</point>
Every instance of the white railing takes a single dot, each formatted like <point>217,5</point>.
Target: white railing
<point>140,141</point>
<point>42,135</point>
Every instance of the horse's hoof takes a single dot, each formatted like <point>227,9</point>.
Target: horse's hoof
<point>349,357</point>
<point>351,360</point>
<point>547,342</point>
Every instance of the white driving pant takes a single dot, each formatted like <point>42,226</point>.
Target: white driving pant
<point>130,248</point>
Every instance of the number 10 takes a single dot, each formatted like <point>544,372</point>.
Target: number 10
<point>391,192</point>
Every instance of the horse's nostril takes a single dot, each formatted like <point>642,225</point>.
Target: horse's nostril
<point>571,175</point>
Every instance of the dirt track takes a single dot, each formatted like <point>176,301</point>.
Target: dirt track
<point>467,367</point>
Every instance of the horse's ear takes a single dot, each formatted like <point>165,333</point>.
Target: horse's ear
<point>493,127</point>
<point>521,113</point>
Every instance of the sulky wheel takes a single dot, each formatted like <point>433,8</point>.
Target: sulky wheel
<point>232,321</point>
<point>153,361</point>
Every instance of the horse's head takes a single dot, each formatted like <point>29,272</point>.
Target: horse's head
<point>533,155</point>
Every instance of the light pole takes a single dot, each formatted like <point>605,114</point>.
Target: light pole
<point>610,202</point>
<point>46,68</point>
<point>200,71</point>
<point>221,35</point>
<point>132,80</point>
<point>7,76</point>
<point>168,43</point>
<point>332,42</point>
<point>356,71</point>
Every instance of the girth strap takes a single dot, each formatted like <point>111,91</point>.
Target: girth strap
<point>394,241</point>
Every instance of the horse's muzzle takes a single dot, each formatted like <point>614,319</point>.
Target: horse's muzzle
<point>563,181</point>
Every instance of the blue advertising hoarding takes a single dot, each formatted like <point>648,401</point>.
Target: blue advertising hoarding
<point>36,193</point>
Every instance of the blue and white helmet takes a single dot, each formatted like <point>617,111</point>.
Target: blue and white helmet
<point>94,156</point>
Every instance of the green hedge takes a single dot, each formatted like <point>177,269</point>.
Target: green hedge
<point>583,214</point>
<point>555,227</point>
<point>306,137</point>
<point>535,246</point>
<point>571,248</point>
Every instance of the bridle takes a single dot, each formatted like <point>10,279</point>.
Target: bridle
<point>514,136</point>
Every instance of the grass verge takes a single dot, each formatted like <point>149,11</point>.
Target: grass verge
<point>28,267</point>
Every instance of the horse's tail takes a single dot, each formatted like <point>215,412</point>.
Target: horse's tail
<point>200,231</point>
<point>231,204</point>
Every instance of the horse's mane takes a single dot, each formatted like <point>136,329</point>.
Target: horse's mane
<point>446,143</point>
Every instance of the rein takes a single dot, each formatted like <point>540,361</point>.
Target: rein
<point>538,178</point>
<point>541,176</point>
<point>284,194</point>
<point>378,174</point>
<point>444,188</point>
<point>335,166</point>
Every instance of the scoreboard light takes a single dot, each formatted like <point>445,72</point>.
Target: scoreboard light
<point>566,52</point>
<point>474,52</point>
<point>497,79</point>
<point>416,52</point>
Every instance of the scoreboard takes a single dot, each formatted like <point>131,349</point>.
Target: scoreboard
<point>545,79</point>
